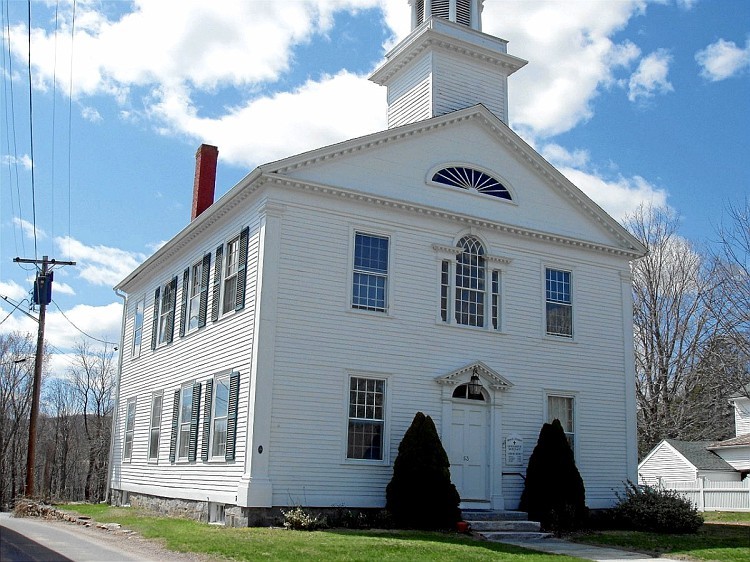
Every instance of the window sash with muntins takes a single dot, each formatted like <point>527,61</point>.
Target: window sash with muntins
<point>562,408</point>
<point>140,307</point>
<point>129,430</point>
<point>558,303</point>
<point>186,413</point>
<point>231,265</point>
<point>366,419</point>
<point>155,426</point>
<point>370,276</point>
<point>194,298</point>
<point>220,416</point>
<point>470,283</point>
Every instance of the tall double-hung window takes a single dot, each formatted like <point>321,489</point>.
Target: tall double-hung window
<point>127,450</point>
<point>561,408</point>
<point>470,288</point>
<point>220,417</point>
<point>165,298</point>
<point>558,303</point>
<point>370,276</point>
<point>140,307</point>
<point>195,295</point>
<point>184,439</point>
<point>230,274</point>
<point>366,429</point>
<point>155,426</point>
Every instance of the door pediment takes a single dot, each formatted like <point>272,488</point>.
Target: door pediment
<point>488,376</point>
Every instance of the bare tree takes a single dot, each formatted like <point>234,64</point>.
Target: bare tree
<point>732,301</point>
<point>671,285</point>
<point>16,373</point>
<point>93,376</point>
<point>61,442</point>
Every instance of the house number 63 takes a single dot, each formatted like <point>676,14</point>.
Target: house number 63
<point>466,458</point>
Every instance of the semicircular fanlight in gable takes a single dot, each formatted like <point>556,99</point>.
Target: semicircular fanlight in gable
<point>469,178</point>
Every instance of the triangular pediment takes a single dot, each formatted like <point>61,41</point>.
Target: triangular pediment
<point>390,168</point>
<point>488,376</point>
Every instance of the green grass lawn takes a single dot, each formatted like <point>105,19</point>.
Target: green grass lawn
<point>280,544</point>
<point>725,537</point>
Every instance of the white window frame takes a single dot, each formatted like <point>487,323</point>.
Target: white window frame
<point>229,275</point>
<point>194,296</point>
<point>493,319</point>
<point>127,447</point>
<point>374,233</point>
<point>213,454</point>
<point>138,317</point>
<point>560,336</point>
<point>385,440</point>
<point>183,422</point>
<point>167,306</point>
<point>155,428</point>
<point>569,429</point>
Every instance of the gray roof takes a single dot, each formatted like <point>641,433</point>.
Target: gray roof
<point>733,442</point>
<point>697,453</point>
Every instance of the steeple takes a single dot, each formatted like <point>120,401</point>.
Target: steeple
<point>445,64</point>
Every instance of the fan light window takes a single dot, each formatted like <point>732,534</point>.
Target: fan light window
<point>469,178</point>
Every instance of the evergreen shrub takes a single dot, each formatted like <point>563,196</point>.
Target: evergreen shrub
<point>420,494</point>
<point>655,510</point>
<point>554,493</point>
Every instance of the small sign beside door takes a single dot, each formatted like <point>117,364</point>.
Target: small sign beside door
<point>513,450</point>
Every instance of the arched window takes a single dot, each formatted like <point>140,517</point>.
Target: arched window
<point>464,391</point>
<point>470,282</point>
<point>471,179</point>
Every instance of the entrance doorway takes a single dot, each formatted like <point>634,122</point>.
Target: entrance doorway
<point>469,444</point>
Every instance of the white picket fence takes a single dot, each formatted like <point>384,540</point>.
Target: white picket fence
<point>709,495</point>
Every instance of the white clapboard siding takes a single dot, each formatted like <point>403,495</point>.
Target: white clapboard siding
<point>742,416</point>
<point>462,84</point>
<point>665,463</point>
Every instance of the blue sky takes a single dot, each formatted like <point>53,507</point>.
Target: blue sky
<point>634,101</point>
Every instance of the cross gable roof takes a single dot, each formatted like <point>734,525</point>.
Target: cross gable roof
<point>698,454</point>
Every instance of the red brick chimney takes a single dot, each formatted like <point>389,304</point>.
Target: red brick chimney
<point>205,179</point>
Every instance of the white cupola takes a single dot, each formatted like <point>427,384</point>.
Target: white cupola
<point>445,64</point>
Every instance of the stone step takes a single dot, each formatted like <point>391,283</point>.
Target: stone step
<point>508,526</point>
<point>493,515</point>
<point>500,536</point>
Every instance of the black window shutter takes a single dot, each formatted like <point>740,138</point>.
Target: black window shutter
<point>185,291</point>
<point>175,422</point>
<point>155,328</point>
<point>205,273</point>
<point>216,302</point>
<point>172,305</point>
<point>206,445</point>
<point>239,301</point>
<point>234,393</point>
<point>194,416</point>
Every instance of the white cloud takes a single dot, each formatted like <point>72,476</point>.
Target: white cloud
<point>619,196</point>
<point>99,265</point>
<point>28,229</point>
<point>24,160</point>
<point>650,78</point>
<point>723,59</point>
<point>686,5</point>
<point>13,290</point>
<point>64,330</point>
<point>571,57</point>
<point>91,114</point>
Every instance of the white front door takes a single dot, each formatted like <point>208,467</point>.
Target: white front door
<point>468,453</point>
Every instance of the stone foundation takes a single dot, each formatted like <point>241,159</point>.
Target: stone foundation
<point>234,516</point>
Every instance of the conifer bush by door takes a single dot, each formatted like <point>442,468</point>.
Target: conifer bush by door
<point>421,495</point>
<point>554,493</point>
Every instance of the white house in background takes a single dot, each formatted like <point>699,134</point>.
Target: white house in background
<point>275,351</point>
<point>722,461</point>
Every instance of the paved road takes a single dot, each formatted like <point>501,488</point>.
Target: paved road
<point>55,541</point>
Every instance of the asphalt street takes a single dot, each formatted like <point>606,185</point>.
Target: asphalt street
<point>36,540</point>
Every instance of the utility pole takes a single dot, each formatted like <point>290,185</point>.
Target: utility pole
<point>42,297</point>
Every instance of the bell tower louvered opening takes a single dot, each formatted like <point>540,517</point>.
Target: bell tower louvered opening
<point>464,12</point>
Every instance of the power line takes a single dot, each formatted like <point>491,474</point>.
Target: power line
<point>77,328</point>
<point>31,133</point>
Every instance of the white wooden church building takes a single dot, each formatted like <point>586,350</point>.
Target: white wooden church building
<point>275,351</point>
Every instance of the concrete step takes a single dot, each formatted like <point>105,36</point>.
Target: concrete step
<point>508,526</point>
<point>501,536</point>
<point>493,515</point>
